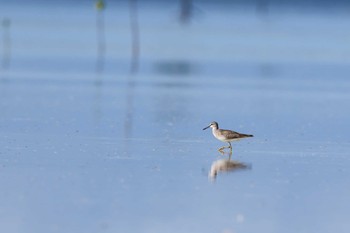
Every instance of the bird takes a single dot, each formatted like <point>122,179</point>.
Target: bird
<point>226,135</point>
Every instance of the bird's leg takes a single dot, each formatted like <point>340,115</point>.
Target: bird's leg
<point>221,148</point>
<point>229,147</point>
<point>221,151</point>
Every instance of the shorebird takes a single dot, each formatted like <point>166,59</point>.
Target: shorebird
<point>226,135</point>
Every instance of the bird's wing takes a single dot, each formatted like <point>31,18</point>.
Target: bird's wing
<point>231,134</point>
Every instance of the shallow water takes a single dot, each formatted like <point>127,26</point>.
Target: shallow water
<point>111,152</point>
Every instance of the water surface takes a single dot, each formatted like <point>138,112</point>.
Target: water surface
<point>112,152</point>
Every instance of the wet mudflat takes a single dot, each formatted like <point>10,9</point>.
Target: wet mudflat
<point>82,151</point>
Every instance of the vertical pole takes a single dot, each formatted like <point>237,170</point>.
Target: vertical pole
<point>135,37</point>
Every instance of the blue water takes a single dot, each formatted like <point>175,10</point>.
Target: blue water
<point>107,151</point>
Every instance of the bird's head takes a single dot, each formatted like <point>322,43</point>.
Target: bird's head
<point>213,125</point>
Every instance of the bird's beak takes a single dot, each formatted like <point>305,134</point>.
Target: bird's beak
<point>206,127</point>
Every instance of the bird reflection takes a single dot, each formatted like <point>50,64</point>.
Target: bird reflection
<point>226,165</point>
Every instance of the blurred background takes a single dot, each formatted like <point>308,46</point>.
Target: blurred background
<point>195,46</point>
<point>103,104</point>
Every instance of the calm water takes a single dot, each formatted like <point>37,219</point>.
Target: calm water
<point>82,151</point>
